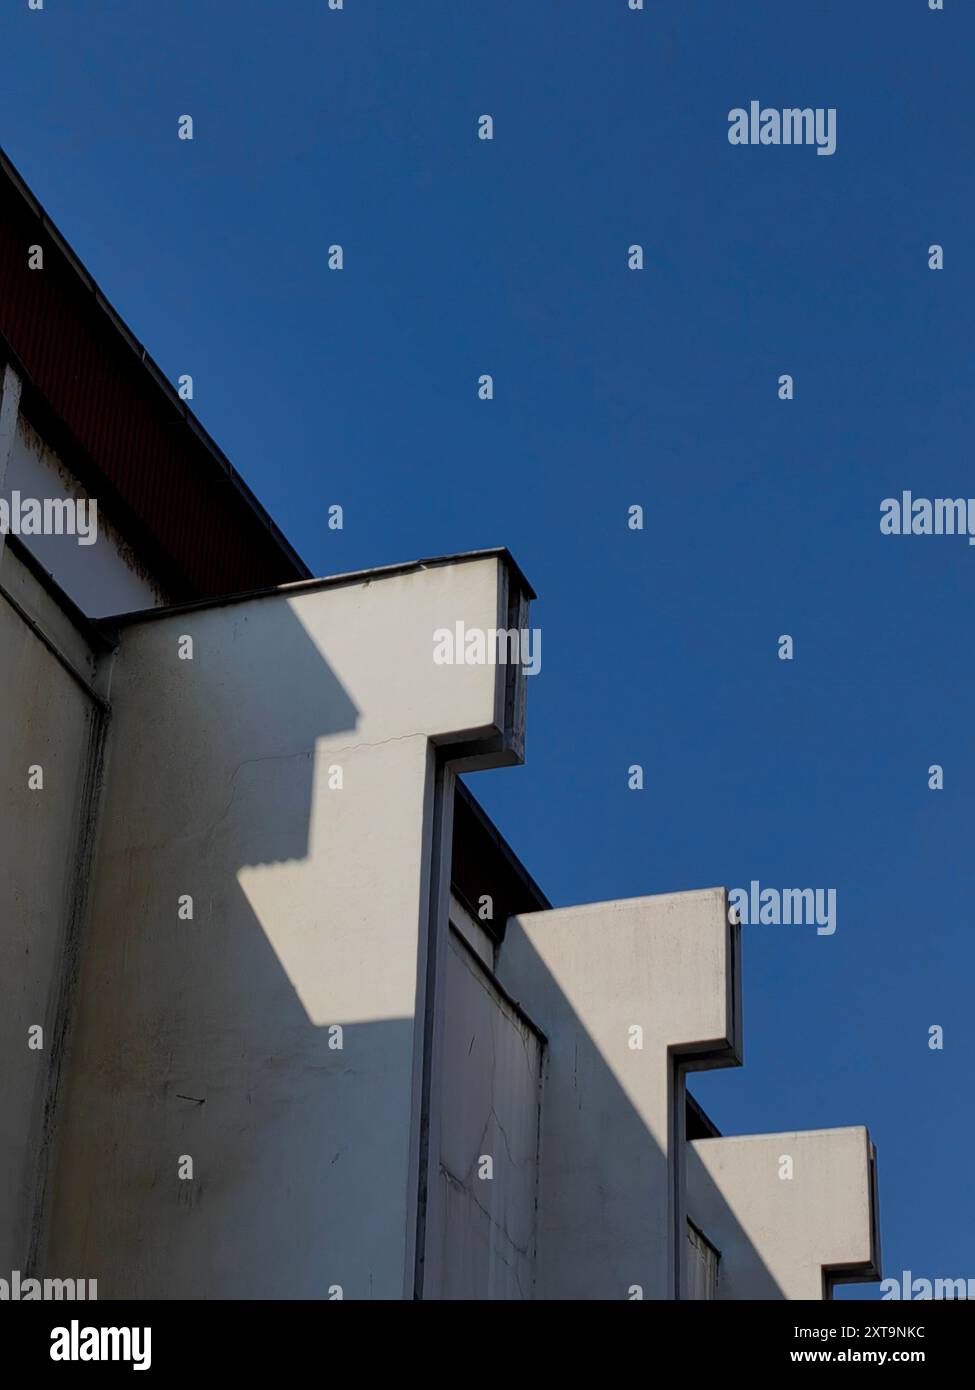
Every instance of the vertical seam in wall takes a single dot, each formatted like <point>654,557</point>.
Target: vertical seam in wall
<point>66,998</point>
<point>429,1017</point>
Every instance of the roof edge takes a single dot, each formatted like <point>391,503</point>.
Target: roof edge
<point>148,363</point>
<point>312,585</point>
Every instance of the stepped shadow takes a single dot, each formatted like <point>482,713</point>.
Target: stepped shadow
<point>214,1038</point>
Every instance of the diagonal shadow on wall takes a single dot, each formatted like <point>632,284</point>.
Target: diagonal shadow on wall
<point>215,1038</point>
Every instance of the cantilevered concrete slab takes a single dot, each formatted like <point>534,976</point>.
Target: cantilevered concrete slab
<point>789,1214</point>
<point>629,994</point>
<point>273,761</point>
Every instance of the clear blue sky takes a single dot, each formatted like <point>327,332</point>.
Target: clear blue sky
<point>612,387</point>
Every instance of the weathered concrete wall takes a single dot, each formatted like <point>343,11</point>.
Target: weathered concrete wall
<point>51,723</point>
<point>611,1195</point>
<point>783,1208</point>
<point>482,1225</point>
<point>335,1062</point>
<point>212,1038</point>
<point>101,578</point>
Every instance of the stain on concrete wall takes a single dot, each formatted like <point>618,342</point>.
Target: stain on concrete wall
<point>489,1139</point>
<point>50,725</point>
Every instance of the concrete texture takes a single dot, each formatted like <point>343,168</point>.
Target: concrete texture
<point>336,1060</point>
<point>105,577</point>
<point>482,1228</point>
<point>780,1236</point>
<point>49,722</point>
<point>212,1037</point>
<point>610,1185</point>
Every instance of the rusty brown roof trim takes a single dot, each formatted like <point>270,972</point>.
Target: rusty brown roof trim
<point>105,318</point>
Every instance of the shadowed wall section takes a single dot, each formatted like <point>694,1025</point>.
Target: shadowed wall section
<point>621,990</point>
<point>286,1059</point>
<point>284,779</point>
<point>53,721</point>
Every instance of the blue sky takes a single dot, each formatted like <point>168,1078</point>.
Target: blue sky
<point>612,387</point>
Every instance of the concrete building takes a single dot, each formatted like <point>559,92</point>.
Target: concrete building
<point>283,1016</point>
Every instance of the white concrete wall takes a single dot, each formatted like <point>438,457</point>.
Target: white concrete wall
<point>211,1038</point>
<point>102,578</point>
<point>482,1222</point>
<point>783,1208</point>
<point>316,906</point>
<point>49,721</point>
<point>611,1181</point>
